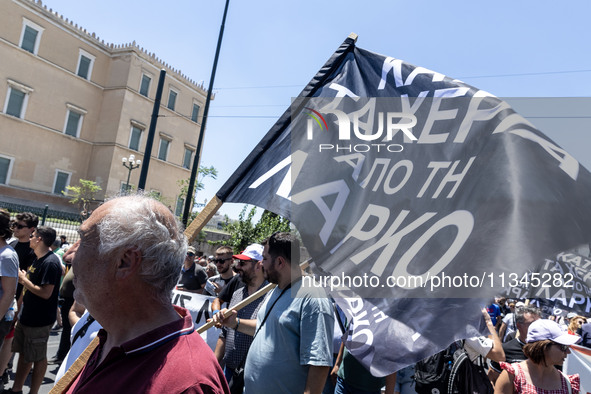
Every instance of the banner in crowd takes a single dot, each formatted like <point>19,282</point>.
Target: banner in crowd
<point>200,308</point>
<point>572,269</point>
<point>579,361</point>
<point>416,192</point>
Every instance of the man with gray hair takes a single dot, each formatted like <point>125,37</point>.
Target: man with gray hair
<point>524,316</point>
<point>126,266</point>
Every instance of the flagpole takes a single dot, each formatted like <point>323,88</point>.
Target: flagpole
<point>194,170</point>
<point>253,297</point>
<point>201,220</point>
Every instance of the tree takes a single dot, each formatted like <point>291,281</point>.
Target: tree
<point>203,173</point>
<point>83,195</point>
<point>243,232</point>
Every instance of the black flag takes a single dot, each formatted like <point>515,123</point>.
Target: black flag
<point>419,193</point>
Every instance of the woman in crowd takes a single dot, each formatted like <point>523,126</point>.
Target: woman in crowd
<point>547,345</point>
<point>575,325</point>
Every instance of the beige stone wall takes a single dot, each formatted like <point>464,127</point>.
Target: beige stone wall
<point>110,101</point>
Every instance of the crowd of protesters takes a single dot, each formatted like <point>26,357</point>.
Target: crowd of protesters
<point>114,289</point>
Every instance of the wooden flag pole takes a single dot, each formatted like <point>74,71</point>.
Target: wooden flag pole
<point>72,373</point>
<point>248,300</point>
<point>201,220</point>
<point>240,305</point>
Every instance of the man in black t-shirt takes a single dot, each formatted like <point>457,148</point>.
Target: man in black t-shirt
<point>193,276</point>
<point>22,228</point>
<point>39,310</point>
<point>524,316</point>
<point>224,263</point>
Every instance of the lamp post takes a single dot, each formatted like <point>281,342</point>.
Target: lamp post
<point>131,164</point>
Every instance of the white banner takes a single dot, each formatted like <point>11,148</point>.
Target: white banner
<point>200,308</point>
<point>579,361</point>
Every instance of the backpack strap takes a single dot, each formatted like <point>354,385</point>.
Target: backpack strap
<point>454,369</point>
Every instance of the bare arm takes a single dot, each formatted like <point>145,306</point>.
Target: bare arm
<point>216,304</point>
<point>493,376</point>
<point>43,291</point>
<point>220,350</point>
<point>9,287</point>
<point>316,379</point>
<point>246,326</point>
<point>76,312</point>
<point>504,384</point>
<point>335,369</point>
<point>390,383</point>
<point>496,353</point>
<point>502,330</point>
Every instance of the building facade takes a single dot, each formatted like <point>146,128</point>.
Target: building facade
<point>73,106</point>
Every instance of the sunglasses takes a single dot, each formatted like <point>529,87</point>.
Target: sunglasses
<point>242,263</point>
<point>191,254</point>
<point>564,348</point>
<point>221,261</point>
<point>18,226</point>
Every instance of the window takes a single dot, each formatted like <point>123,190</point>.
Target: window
<point>180,206</point>
<point>187,158</point>
<point>135,138</point>
<point>5,169</point>
<point>16,99</point>
<point>163,150</point>
<point>62,179</point>
<point>30,36</point>
<point>85,63</point>
<point>73,123</point>
<point>195,113</point>
<point>171,99</point>
<point>145,85</point>
<point>74,119</point>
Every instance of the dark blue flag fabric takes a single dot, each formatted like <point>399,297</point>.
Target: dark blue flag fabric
<point>418,196</point>
<point>574,296</point>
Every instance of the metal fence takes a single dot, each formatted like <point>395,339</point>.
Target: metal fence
<point>64,223</point>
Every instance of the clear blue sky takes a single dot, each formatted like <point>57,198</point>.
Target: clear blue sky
<point>271,49</point>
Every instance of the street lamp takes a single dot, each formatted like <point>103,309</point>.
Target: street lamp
<point>131,164</point>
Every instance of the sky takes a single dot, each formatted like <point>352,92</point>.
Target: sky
<point>271,49</point>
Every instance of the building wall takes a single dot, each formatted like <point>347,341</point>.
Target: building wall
<point>109,101</point>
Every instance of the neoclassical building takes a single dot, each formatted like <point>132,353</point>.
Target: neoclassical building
<point>72,106</point>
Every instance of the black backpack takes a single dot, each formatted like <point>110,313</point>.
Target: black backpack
<point>432,374</point>
<point>467,377</point>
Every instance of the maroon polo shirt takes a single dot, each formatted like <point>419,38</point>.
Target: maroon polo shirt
<point>170,359</point>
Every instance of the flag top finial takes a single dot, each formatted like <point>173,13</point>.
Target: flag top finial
<point>353,36</point>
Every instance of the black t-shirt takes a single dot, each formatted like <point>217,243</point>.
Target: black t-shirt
<point>234,284</point>
<point>194,278</point>
<point>26,256</point>
<point>513,353</point>
<point>38,312</point>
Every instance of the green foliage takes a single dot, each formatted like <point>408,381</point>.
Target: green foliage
<point>203,173</point>
<point>243,232</point>
<point>83,195</point>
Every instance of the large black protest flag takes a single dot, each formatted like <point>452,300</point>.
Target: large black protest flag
<point>417,192</point>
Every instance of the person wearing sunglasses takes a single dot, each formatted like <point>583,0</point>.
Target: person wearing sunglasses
<point>223,261</point>
<point>22,229</point>
<point>38,313</point>
<point>547,345</point>
<point>193,276</point>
